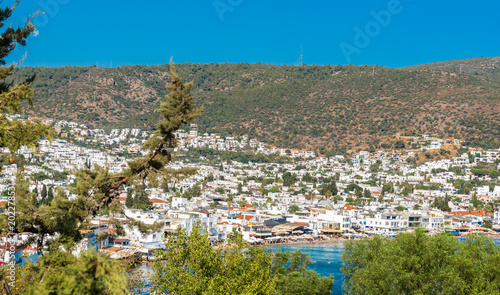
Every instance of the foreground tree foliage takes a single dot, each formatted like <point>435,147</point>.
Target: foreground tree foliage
<point>293,277</point>
<point>63,273</point>
<point>14,134</point>
<point>98,189</point>
<point>192,265</point>
<point>415,263</point>
<point>58,217</point>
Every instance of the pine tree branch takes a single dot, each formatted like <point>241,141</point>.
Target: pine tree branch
<point>6,286</point>
<point>114,192</point>
<point>43,277</point>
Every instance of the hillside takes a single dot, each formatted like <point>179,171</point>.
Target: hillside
<point>488,67</point>
<point>321,107</point>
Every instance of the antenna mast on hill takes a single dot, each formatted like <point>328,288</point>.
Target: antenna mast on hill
<point>301,58</point>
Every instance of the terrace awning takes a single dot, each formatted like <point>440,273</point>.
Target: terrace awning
<point>331,230</point>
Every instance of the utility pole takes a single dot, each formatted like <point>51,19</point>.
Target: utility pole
<point>301,58</point>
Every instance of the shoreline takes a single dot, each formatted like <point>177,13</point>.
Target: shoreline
<point>333,241</point>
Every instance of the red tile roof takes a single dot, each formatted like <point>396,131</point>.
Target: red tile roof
<point>479,213</point>
<point>120,240</point>
<point>158,201</point>
<point>246,217</point>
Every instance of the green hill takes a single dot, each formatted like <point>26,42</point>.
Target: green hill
<point>488,67</point>
<point>320,107</point>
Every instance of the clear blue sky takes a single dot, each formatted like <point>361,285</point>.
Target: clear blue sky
<point>86,32</point>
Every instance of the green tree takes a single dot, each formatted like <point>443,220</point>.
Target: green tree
<point>242,203</point>
<point>351,187</point>
<point>415,263</point>
<point>336,199</point>
<point>293,277</point>
<point>187,195</point>
<point>50,195</point>
<point>60,219</point>
<point>289,179</point>
<point>441,203</point>
<point>141,201</point>
<point>400,208</point>
<point>39,176</point>
<point>97,189</point>
<point>44,192</point>
<point>487,224</point>
<point>196,190</point>
<point>399,144</point>
<point>375,167</point>
<point>488,208</point>
<point>358,192</point>
<point>35,196</point>
<point>308,178</point>
<point>194,266</point>
<point>129,202</point>
<point>210,177</point>
<point>293,208</point>
<point>387,188</point>
<point>478,204</point>
<point>91,273</point>
<point>329,187</point>
<point>16,133</point>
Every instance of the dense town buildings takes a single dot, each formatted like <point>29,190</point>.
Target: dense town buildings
<point>378,192</point>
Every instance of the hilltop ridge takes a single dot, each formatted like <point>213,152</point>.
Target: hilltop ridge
<point>319,107</point>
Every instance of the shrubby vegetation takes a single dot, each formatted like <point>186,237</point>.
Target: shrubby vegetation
<point>238,156</point>
<point>192,265</point>
<point>415,263</point>
<point>328,108</point>
<point>95,189</point>
<point>484,169</point>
